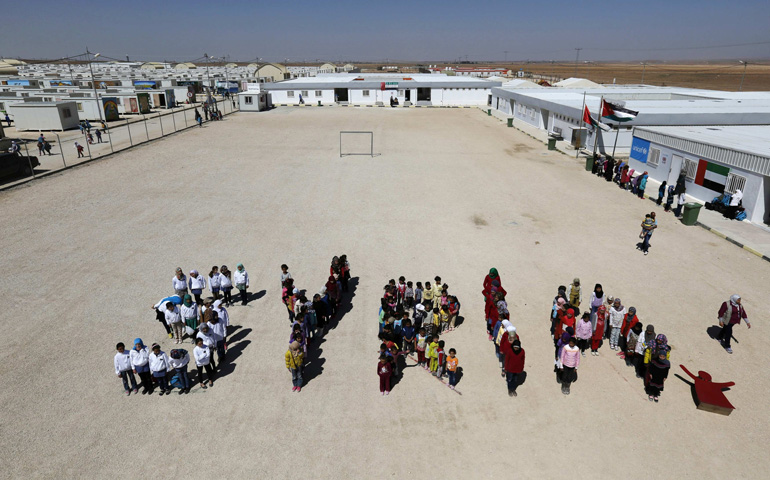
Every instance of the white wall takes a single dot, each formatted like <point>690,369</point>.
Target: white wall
<point>44,118</point>
<point>753,194</point>
<point>459,96</point>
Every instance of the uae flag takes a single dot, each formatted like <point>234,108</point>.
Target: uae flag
<point>590,121</point>
<point>617,113</point>
<point>711,176</point>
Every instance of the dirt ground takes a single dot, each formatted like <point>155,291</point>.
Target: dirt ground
<point>452,193</point>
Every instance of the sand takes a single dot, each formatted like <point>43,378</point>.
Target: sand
<point>452,193</point>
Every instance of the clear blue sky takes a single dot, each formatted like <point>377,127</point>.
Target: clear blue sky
<point>375,31</point>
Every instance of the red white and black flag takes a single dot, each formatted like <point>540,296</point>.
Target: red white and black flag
<point>616,112</point>
<point>594,123</point>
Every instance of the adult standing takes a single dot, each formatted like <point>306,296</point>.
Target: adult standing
<point>735,204</point>
<point>680,199</point>
<point>730,314</point>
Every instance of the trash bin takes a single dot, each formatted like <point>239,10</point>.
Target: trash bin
<point>551,143</point>
<point>510,122</point>
<point>489,112</point>
<point>319,103</point>
<point>690,215</point>
<point>589,164</point>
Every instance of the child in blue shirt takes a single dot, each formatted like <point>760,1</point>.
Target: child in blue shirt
<point>408,337</point>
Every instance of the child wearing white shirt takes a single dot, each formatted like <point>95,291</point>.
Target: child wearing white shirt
<point>214,281</point>
<point>226,284</point>
<point>159,365</point>
<point>123,368</point>
<point>202,354</point>
<point>241,280</point>
<point>140,361</point>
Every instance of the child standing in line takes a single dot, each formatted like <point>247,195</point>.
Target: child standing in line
<point>174,320</point>
<point>596,338</point>
<point>409,296</point>
<point>669,198</point>
<point>395,358</point>
<point>658,373</point>
<point>419,316</point>
<point>241,280</point>
<point>432,355</point>
<point>226,284</point>
<point>197,284</point>
<point>140,363</point>
<point>451,367</point>
<point>202,354</point>
<point>440,358</point>
<point>427,296</point>
<point>435,322</point>
<point>575,294</point>
<point>408,336</point>
<point>345,269</point>
<point>294,357</point>
<point>421,342</point>
<point>191,315</point>
<point>454,310</point>
<point>444,318</point>
<point>215,283</point>
<point>632,340</point>
<point>584,332</point>
<point>418,294</point>
<point>401,291</point>
<point>617,313</point>
<point>444,298</point>
<point>437,288</point>
<point>123,368</point>
<point>384,370</point>
<point>570,360</point>
<point>179,282</point>
<point>285,275</point>
<point>179,361</point>
<point>159,366</point>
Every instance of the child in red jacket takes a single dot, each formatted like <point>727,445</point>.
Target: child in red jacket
<point>514,365</point>
<point>384,370</point>
<point>601,321</point>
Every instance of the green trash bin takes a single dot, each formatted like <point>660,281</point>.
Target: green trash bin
<point>589,164</point>
<point>319,103</point>
<point>551,143</point>
<point>510,122</point>
<point>690,215</point>
<point>489,112</point>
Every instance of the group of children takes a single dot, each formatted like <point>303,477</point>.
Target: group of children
<point>203,321</point>
<point>433,311</point>
<point>508,351</point>
<point>220,281</point>
<point>605,318</point>
<point>310,318</point>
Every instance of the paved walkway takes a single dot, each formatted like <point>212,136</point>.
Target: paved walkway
<point>751,237</point>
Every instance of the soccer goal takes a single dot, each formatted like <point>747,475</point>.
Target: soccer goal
<point>356,143</point>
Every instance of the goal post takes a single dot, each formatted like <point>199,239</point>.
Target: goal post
<point>356,143</point>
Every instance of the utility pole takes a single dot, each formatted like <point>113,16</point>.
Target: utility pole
<point>93,83</point>
<point>506,55</point>
<point>577,57</point>
<point>743,77</point>
<point>644,67</point>
<point>208,79</point>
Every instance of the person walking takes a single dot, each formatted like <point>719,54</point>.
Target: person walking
<point>7,120</point>
<point>661,192</point>
<point>648,225</point>
<point>98,136</point>
<point>79,148</point>
<point>730,314</point>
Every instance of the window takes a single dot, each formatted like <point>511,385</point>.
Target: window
<point>400,93</point>
<point>690,168</point>
<point>290,93</point>
<point>65,112</point>
<point>248,100</point>
<point>304,93</point>
<point>366,93</point>
<point>734,182</point>
<point>2,106</point>
<point>25,94</point>
<point>80,107</point>
<point>654,157</point>
<point>318,93</point>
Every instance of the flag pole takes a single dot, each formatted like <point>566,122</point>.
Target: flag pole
<point>580,132</point>
<point>616,140</point>
<point>596,137</point>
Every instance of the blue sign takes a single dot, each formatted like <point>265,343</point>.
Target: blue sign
<point>639,149</point>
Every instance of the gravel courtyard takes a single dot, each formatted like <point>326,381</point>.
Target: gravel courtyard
<point>451,193</point>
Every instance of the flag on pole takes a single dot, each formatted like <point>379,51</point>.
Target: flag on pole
<point>590,121</point>
<point>616,112</point>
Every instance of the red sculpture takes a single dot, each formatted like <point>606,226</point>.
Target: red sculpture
<point>709,395</point>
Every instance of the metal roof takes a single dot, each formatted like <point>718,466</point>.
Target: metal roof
<point>374,81</point>
<point>746,146</point>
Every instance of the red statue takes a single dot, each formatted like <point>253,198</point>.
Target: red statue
<point>709,395</point>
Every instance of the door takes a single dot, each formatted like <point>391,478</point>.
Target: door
<point>676,167</point>
<point>407,95</point>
